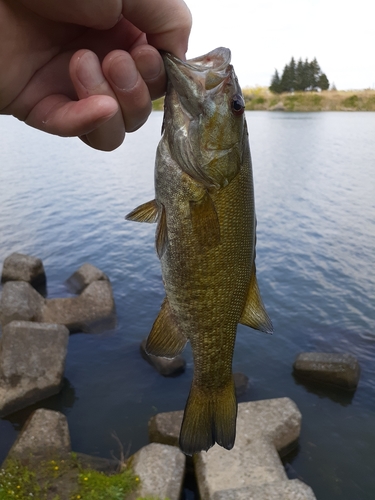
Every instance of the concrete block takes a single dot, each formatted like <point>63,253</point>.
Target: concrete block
<point>32,360</point>
<point>45,435</point>
<point>84,276</point>
<point>20,267</point>
<point>161,470</point>
<point>91,311</point>
<point>165,366</point>
<point>264,429</point>
<point>19,301</point>
<point>341,370</point>
<point>286,490</point>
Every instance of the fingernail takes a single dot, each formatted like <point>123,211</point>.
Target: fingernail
<point>89,72</point>
<point>123,74</point>
<point>148,66</point>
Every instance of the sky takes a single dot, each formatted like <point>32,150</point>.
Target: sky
<point>263,35</point>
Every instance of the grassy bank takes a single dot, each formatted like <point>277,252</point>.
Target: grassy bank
<point>261,99</point>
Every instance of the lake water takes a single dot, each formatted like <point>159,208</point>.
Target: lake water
<point>315,197</point>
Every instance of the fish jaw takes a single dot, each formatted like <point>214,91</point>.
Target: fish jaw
<point>203,120</point>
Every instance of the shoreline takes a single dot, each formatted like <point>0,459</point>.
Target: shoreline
<point>262,99</point>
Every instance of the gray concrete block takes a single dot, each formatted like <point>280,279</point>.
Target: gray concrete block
<point>84,276</point>
<point>161,470</point>
<point>286,490</point>
<point>264,428</point>
<point>20,267</point>
<point>19,301</point>
<point>165,427</point>
<point>45,435</point>
<point>32,360</point>
<point>168,367</point>
<point>91,311</point>
<point>337,369</point>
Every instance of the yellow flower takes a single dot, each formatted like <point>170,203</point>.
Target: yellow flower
<point>137,478</point>
<point>56,467</point>
<point>85,478</point>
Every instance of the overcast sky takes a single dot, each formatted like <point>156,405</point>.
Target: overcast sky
<point>265,34</point>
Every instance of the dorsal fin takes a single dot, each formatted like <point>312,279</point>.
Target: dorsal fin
<point>254,313</point>
<point>166,338</point>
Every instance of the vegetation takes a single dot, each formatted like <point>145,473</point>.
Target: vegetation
<point>63,479</point>
<point>300,76</point>
<point>261,98</point>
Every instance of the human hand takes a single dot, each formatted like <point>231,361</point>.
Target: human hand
<point>87,68</point>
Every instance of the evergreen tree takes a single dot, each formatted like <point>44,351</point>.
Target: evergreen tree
<point>287,78</point>
<point>323,82</point>
<point>275,83</point>
<point>302,76</point>
<point>299,75</point>
<point>315,72</point>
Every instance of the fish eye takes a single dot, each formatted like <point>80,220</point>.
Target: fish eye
<point>237,105</point>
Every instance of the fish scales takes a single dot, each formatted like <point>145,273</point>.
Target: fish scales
<point>205,238</point>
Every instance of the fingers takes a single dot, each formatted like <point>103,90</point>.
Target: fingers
<point>167,23</point>
<point>59,115</point>
<point>113,98</point>
<point>130,89</point>
<point>88,80</point>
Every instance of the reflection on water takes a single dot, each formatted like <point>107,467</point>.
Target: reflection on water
<point>315,198</point>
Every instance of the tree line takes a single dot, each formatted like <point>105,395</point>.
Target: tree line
<point>303,75</point>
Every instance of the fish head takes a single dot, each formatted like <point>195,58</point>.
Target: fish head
<point>204,119</point>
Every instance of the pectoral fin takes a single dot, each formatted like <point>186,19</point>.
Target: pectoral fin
<point>148,212</point>
<point>205,222</point>
<point>165,338</point>
<point>254,313</point>
<point>161,237</point>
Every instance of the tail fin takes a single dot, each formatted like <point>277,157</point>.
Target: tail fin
<point>209,417</point>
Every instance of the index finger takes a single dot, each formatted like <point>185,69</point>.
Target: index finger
<point>167,23</point>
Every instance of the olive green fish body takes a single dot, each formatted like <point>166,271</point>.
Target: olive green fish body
<point>205,238</point>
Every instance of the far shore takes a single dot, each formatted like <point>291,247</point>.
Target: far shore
<point>262,99</point>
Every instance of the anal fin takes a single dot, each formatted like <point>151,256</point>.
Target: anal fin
<point>148,212</point>
<point>166,338</point>
<point>254,313</point>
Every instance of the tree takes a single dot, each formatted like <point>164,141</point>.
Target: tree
<point>302,76</point>
<point>323,82</point>
<point>275,86</point>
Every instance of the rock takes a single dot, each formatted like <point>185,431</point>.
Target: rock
<point>287,490</point>
<point>241,383</point>
<point>32,359</point>
<point>92,311</point>
<point>265,429</point>
<point>161,470</point>
<point>84,276</point>
<point>165,427</point>
<point>337,369</point>
<point>19,301</point>
<point>19,267</point>
<point>165,366</point>
<point>45,435</point>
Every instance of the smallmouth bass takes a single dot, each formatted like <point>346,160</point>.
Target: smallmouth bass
<point>205,239</point>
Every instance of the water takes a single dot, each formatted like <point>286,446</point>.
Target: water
<point>315,190</point>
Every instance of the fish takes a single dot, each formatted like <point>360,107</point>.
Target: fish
<point>205,239</point>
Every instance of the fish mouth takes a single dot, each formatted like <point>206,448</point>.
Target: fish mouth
<point>203,73</point>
